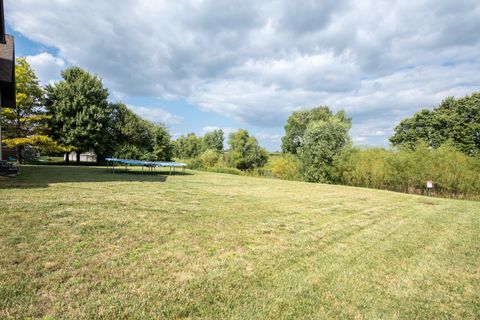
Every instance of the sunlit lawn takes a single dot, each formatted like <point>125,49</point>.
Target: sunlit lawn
<point>78,242</point>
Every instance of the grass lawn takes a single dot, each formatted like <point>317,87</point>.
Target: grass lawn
<point>78,242</point>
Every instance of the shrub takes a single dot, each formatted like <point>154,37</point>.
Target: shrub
<point>130,151</point>
<point>285,167</point>
<point>453,173</point>
<point>234,171</point>
<point>210,158</point>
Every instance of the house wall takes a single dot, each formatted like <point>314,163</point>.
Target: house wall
<point>84,157</point>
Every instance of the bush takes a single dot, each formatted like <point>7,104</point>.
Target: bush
<point>129,151</point>
<point>453,173</point>
<point>227,170</point>
<point>286,167</point>
<point>210,158</point>
<point>193,163</point>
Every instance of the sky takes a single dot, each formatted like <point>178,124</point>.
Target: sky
<point>199,65</point>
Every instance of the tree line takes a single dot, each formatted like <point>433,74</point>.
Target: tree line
<point>207,152</point>
<point>74,114</point>
<point>440,145</point>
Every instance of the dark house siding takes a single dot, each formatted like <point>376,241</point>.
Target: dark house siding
<point>7,72</point>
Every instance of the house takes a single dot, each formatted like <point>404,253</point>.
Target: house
<point>7,70</point>
<point>84,157</point>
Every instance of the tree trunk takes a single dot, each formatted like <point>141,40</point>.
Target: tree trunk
<point>78,157</point>
<point>19,155</point>
<point>100,160</point>
<point>67,159</point>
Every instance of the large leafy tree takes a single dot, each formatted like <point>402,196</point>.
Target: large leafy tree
<point>213,140</point>
<point>245,152</point>
<point>322,140</point>
<point>26,125</point>
<point>455,120</point>
<point>129,132</point>
<point>299,121</point>
<point>136,138</point>
<point>162,148</point>
<point>80,112</point>
<point>188,147</point>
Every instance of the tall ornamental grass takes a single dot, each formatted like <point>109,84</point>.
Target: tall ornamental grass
<point>453,173</point>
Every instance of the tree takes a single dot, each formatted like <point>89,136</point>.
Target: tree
<point>131,135</point>
<point>162,146</point>
<point>322,140</point>
<point>26,124</point>
<point>298,122</point>
<point>136,138</point>
<point>128,128</point>
<point>80,112</point>
<point>245,152</point>
<point>210,158</point>
<point>213,140</point>
<point>455,120</point>
<point>286,167</point>
<point>187,147</point>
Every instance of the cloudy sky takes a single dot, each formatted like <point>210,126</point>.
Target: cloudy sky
<point>199,65</point>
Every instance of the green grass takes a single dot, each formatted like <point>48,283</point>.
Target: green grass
<point>78,242</point>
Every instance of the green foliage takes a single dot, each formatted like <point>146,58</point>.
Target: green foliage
<point>210,158</point>
<point>80,111</point>
<point>245,152</point>
<point>130,151</point>
<point>298,123</point>
<point>213,140</point>
<point>227,170</point>
<point>187,147</point>
<point>193,163</point>
<point>162,146</point>
<point>26,124</point>
<point>135,138</point>
<point>286,167</point>
<point>129,129</point>
<point>453,173</point>
<point>191,146</point>
<point>455,120</point>
<point>322,140</point>
<point>40,142</point>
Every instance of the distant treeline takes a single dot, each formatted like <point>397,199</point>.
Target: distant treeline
<point>440,145</point>
<point>207,152</point>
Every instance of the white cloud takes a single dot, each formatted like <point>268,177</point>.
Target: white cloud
<point>226,130</point>
<point>156,115</point>
<point>273,137</point>
<point>257,61</point>
<point>208,129</point>
<point>46,66</point>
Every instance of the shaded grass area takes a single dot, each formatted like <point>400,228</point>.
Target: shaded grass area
<point>79,242</point>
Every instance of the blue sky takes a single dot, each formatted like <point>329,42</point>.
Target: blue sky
<point>198,65</point>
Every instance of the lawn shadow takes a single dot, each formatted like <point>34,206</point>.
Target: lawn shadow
<point>38,176</point>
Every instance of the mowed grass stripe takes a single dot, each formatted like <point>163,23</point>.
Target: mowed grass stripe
<point>79,242</point>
